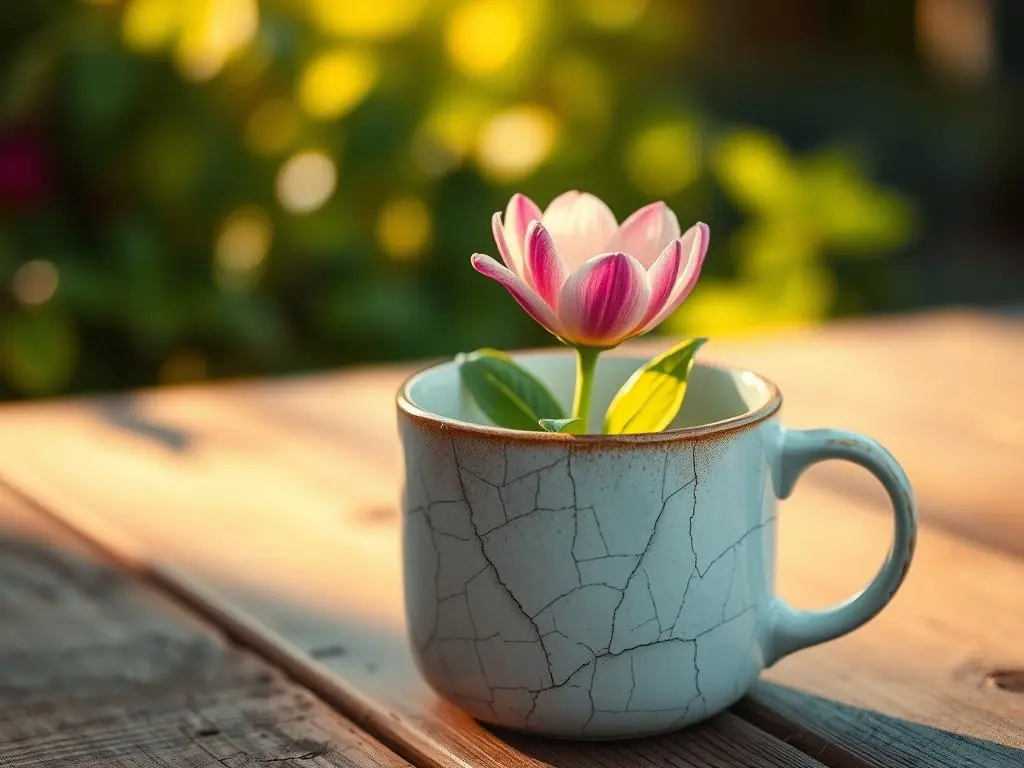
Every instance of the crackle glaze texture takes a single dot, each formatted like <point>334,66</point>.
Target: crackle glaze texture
<point>613,586</point>
<point>588,592</point>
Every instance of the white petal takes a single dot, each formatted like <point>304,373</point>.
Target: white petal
<point>581,226</point>
<point>520,212</point>
<point>646,232</point>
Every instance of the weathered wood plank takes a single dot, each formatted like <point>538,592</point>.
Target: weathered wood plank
<point>910,688</point>
<point>97,670</point>
<point>293,485</point>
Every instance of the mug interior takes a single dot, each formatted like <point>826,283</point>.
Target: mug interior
<point>714,395</point>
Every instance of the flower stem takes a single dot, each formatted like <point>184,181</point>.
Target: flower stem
<point>586,363</point>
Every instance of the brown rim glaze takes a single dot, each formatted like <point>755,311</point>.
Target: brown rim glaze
<point>409,409</point>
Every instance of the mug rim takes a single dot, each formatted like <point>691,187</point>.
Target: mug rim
<point>745,420</point>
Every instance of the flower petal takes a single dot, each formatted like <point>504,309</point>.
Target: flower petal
<point>498,230</point>
<point>693,245</point>
<point>520,212</point>
<point>646,232</point>
<point>544,271</point>
<point>662,279</point>
<point>528,299</point>
<point>581,226</point>
<point>603,301</point>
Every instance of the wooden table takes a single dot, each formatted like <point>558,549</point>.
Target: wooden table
<point>209,576</point>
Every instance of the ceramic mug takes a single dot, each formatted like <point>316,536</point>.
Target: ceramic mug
<point>607,586</point>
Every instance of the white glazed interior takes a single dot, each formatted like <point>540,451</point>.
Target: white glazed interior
<point>714,395</point>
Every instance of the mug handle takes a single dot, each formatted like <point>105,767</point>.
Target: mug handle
<point>792,629</point>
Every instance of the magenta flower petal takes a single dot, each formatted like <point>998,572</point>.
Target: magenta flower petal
<point>544,271</point>
<point>520,212</point>
<point>581,226</point>
<point>528,298</point>
<point>693,245</point>
<point>662,279</point>
<point>646,232</point>
<point>603,301</point>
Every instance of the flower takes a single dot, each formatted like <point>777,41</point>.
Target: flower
<point>25,170</point>
<point>585,278</point>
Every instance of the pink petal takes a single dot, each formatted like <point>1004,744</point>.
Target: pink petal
<point>527,297</point>
<point>662,279</point>
<point>520,212</point>
<point>498,230</point>
<point>581,226</point>
<point>603,301</point>
<point>646,232</point>
<point>694,244</point>
<point>545,271</point>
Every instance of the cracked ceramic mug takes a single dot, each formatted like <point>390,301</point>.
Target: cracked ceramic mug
<point>610,586</point>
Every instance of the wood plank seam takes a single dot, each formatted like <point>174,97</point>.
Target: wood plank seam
<point>238,631</point>
<point>98,668</point>
<point>805,739</point>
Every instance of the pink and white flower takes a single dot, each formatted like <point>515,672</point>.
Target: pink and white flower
<point>588,280</point>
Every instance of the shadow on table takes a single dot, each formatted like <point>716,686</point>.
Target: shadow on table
<point>122,412</point>
<point>842,736</point>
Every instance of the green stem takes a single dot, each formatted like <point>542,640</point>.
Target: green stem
<point>586,363</point>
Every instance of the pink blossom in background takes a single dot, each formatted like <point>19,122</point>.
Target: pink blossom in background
<point>588,280</point>
<point>24,171</point>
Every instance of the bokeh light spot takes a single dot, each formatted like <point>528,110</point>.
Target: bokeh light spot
<point>515,142</point>
<point>755,169</point>
<point>272,127</point>
<point>482,36</point>
<point>367,19</point>
<point>149,25</point>
<point>213,32</point>
<point>664,158</point>
<point>852,213</point>
<point>241,247</point>
<point>35,282</point>
<point>306,181</point>
<point>334,83</point>
<point>612,14</point>
<point>447,134</point>
<point>404,228</point>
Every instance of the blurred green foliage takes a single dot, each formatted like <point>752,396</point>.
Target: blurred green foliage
<point>199,188</point>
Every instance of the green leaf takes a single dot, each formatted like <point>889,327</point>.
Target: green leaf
<point>482,352</point>
<point>559,425</point>
<point>653,395</point>
<point>509,395</point>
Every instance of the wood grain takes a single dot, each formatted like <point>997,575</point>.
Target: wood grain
<point>97,670</point>
<point>272,507</point>
<point>910,688</point>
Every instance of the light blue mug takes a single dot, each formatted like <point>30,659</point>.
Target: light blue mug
<point>608,586</point>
